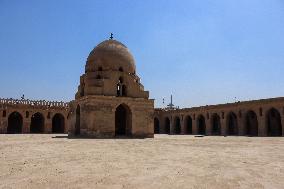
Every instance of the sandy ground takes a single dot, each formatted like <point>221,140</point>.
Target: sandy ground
<point>54,161</point>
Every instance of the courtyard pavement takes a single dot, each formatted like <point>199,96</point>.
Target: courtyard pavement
<point>54,161</point>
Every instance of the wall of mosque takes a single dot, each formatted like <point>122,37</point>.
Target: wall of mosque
<point>251,118</point>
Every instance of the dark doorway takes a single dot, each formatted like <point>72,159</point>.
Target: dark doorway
<point>232,124</point>
<point>216,125</point>
<point>78,124</point>
<point>15,123</point>
<point>58,125</point>
<point>37,123</point>
<point>122,120</point>
<point>251,124</point>
<point>124,90</point>
<point>188,125</point>
<point>177,128</point>
<point>156,126</point>
<point>201,125</point>
<point>273,123</point>
<point>167,126</point>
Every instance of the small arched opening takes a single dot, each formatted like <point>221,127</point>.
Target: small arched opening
<point>123,120</point>
<point>215,124</point>
<point>120,88</point>
<point>58,123</point>
<point>167,125</point>
<point>156,126</point>
<point>120,69</point>
<point>177,126</point>
<point>188,125</point>
<point>273,123</point>
<point>37,123</point>
<point>251,124</point>
<point>232,124</point>
<point>78,121</point>
<point>4,113</point>
<point>15,123</point>
<point>201,125</point>
<point>124,90</point>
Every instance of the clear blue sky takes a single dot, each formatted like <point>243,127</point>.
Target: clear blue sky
<point>201,51</point>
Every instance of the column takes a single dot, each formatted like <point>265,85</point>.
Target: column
<point>194,127</point>
<point>48,126</point>
<point>223,126</point>
<point>282,123</point>
<point>162,126</point>
<point>208,126</point>
<point>261,126</point>
<point>26,125</point>
<point>3,125</point>
<point>171,126</point>
<point>182,127</point>
<point>241,125</point>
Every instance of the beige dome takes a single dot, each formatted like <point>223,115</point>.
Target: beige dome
<point>111,54</point>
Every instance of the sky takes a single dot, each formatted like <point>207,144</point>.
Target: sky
<point>202,52</point>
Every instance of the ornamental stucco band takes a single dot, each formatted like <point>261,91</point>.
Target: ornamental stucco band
<point>111,102</point>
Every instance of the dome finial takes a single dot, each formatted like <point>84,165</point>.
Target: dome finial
<point>111,36</point>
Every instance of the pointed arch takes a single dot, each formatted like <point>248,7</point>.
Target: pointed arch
<point>273,123</point>
<point>123,120</point>
<point>232,124</point>
<point>201,125</point>
<point>78,121</point>
<point>37,123</point>
<point>215,124</point>
<point>124,90</point>
<point>58,123</point>
<point>188,125</point>
<point>251,123</point>
<point>167,125</point>
<point>15,123</point>
<point>177,126</point>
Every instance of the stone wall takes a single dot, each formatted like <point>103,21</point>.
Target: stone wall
<point>97,116</point>
<point>254,118</point>
<point>47,111</point>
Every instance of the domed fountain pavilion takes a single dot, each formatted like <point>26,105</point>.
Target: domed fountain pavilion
<point>111,101</point>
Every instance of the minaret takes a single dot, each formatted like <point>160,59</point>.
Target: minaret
<point>171,105</point>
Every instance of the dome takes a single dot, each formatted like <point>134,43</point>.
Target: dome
<point>111,54</point>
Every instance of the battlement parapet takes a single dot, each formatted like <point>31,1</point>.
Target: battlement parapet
<point>4,102</point>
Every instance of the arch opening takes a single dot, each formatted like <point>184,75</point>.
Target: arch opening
<point>201,125</point>
<point>232,124</point>
<point>4,113</point>
<point>78,121</point>
<point>37,123</point>
<point>167,125</point>
<point>251,124</point>
<point>177,127</point>
<point>216,125</point>
<point>123,121</point>
<point>58,123</point>
<point>156,126</point>
<point>188,125</point>
<point>273,123</point>
<point>124,90</point>
<point>15,123</point>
